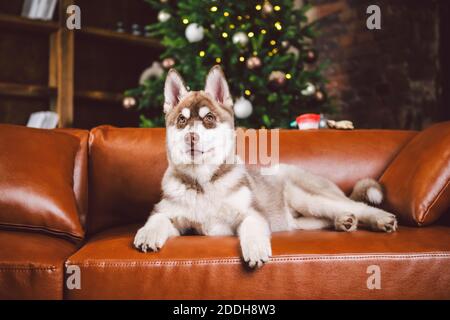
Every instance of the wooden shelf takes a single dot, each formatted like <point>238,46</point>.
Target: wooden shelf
<point>25,90</point>
<point>104,48</point>
<point>100,96</point>
<point>122,37</point>
<point>17,22</point>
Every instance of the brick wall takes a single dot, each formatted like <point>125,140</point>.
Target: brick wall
<point>386,78</point>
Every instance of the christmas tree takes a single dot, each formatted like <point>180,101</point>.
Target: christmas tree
<point>264,47</point>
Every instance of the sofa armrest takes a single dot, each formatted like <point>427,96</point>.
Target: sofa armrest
<point>417,182</point>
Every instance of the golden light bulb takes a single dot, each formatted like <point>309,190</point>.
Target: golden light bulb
<point>277,8</point>
<point>224,34</point>
<point>247,92</point>
<point>273,42</point>
<point>226,14</point>
<point>278,25</point>
<point>241,59</point>
<point>213,9</point>
<point>201,53</point>
<point>185,21</point>
<point>258,7</point>
<point>232,26</point>
<point>250,34</point>
<point>288,76</point>
<point>263,31</point>
<point>218,60</point>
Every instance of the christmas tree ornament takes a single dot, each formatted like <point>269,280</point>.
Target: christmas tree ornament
<point>319,96</point>
<point>129,102</point>
<point>267,8</point>
<point>285,44</point>
<point>168,63</point>
<point>311,56</point>
<point>240,38</point>
<point>277,79</point>
<point>154,72</point>
<point>163,16</point>
<point>309,90</point>
<point>253,63</point>
<point>242,108</point>
<point>194,32</point>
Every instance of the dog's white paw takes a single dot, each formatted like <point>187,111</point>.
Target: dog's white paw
<point>256,251</point>
<point>386,222</point>
<point>346,222</point>
<point>151,238</point>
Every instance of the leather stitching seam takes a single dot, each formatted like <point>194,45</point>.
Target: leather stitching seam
<point>272,260</point>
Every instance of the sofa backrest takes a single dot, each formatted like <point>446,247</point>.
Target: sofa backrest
<point>126,165</point>
<point>80,173</point>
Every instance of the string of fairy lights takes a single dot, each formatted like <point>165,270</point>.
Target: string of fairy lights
<point>241,37</point>
<point>267,7</point>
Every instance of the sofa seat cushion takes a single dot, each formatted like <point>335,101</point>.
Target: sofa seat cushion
<point>32,265</point>
<point>413,263</point>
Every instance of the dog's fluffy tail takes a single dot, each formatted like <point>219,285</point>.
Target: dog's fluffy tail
<point>367,190</point>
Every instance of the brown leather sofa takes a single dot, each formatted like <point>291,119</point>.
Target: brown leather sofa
<point>115,178</point>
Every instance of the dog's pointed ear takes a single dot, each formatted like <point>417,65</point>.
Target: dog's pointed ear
<point>174,90</point>
<point>217,87</point>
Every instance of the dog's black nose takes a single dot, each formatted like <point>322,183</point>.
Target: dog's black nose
<point>191,138</point>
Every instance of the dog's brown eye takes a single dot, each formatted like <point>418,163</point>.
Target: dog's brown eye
<point>181,120</point>
<point>209,117</point>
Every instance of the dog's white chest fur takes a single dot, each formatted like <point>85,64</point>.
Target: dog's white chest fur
<point>206,206</point>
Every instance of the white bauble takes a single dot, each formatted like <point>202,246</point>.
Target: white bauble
<point>243,108</point>
<point>240,38</point>
<point>163,16</point>
<point>309,90</point>
<point>194,32</point>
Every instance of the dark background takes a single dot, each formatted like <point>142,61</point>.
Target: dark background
<point>396,77</point>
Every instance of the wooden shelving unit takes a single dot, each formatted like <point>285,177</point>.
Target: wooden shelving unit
<point>99,96</point>
<point>21,90</point>
<point>19,23</point>
<point>120,37</point>
<point>78,76</point>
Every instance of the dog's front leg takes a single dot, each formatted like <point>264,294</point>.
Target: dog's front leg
<point>155,232</point>
<point>254,236</point>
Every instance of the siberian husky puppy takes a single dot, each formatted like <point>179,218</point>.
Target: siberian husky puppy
<point>206,190</point>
